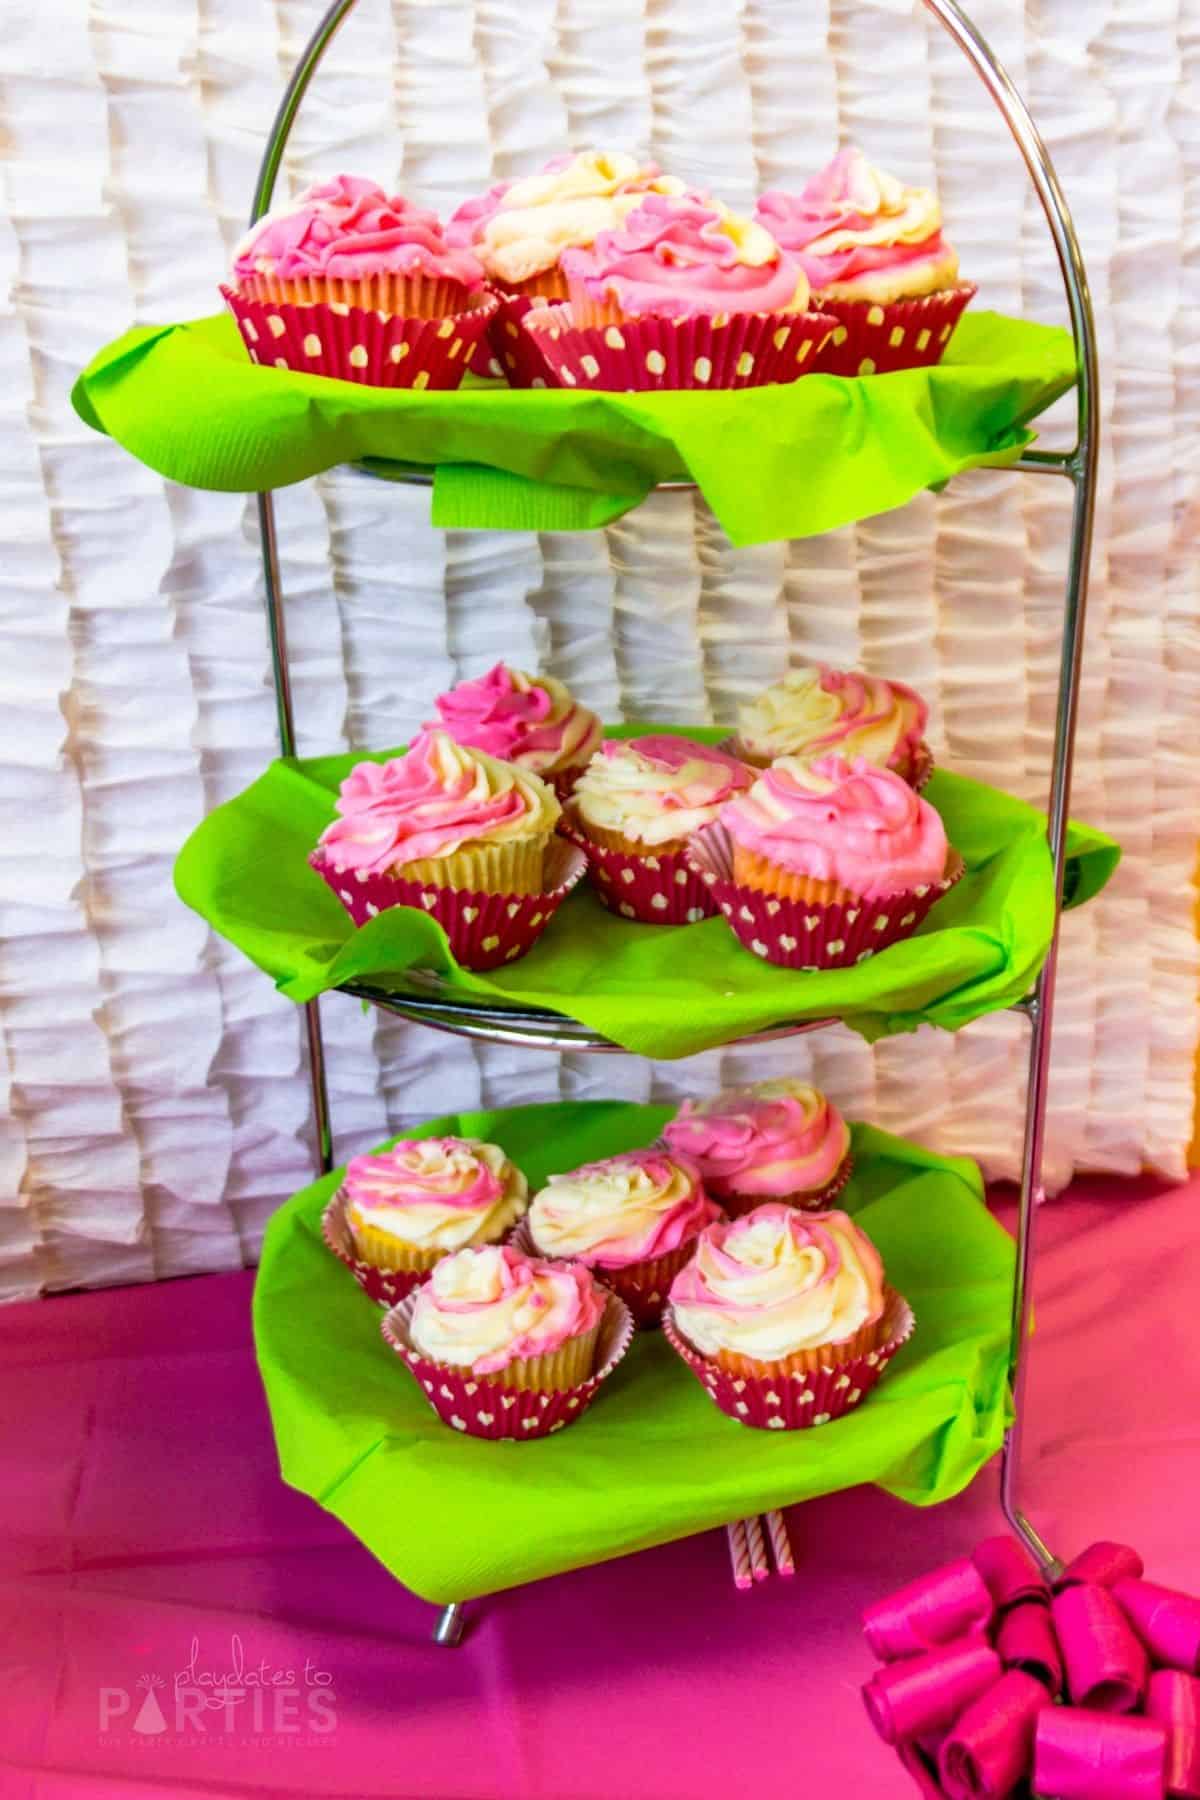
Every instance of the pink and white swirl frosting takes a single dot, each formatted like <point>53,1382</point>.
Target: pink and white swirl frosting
<point>850,823</point>
<point>349,229</point>
<point>777,1281</point>
<point>679,257</point>
<point>658,788</point>
<point>627,1209</point>
<point>860,234</point>
<point>770,1141</point>
<point>817,710</point>
<point>432,801</point>
<point>439,1193</point>
<point>519,229</point>
<point>485,1308</point>
<point>531,721</point>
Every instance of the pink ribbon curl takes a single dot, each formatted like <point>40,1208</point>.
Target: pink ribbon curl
<point>989,1681</point>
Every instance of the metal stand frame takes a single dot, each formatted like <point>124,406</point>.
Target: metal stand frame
<point>1078,466</point>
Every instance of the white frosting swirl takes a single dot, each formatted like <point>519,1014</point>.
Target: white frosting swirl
<point>778,1281</point>
<point>437,1193</point>
<point>813,711</point>
<point>483,1309</point>
<point>624,1210</point>
<point>657,789</point>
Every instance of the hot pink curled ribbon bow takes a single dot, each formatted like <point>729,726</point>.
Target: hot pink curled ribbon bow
<point>991,1680</point>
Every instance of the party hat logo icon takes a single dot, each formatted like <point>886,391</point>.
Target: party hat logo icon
<point>150,1715</point>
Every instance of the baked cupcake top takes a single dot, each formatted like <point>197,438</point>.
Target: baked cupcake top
<point>430,802</point>
<point>774,1139</point>
<point>777,1281</point>
<point>440,1193</point>
<point>518,229</point>
<point>349,229</point>
<point>626,1209</point>
<point>676,257</point>
<point>532,721</point>
<point>816,710</point>
<point>655,789</point>
<point>483,1309</point>
<point>850,823</point>
<point>859,234</point>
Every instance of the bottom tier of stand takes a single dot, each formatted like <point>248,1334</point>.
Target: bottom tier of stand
<point>653,1460</point>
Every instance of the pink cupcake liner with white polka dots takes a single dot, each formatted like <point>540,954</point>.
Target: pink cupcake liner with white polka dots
<point>726,350</point>
<point>480,1407</point>
<point>485,930</point>
<point>514,355</point>
<point>810,935</point>
<point>385,1286</point>
<point>655,889</point>
<point>352,344</point>
<point>796,1402</point>
<point>905,334</point>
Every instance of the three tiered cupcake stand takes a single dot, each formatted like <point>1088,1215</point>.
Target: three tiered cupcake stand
<point>982,1419</point>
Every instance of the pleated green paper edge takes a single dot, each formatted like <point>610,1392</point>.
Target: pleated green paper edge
<point>773,462</point>
<point>653,1460</point>
<point>658,990</point>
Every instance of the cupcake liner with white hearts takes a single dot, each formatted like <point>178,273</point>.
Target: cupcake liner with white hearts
<point>777,1401</point>
<point>657,888</point>
<point>385,1286</point>
<point>482,1407</point>
<point>485,930</point>
<point>642,1286</point>
<point>350,343</point>
<point>811,935</point>
<point>724,350</point>
<point>904,334</point>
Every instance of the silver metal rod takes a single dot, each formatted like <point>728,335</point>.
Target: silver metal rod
<point>1079,465</point>
<point>289,106</point>
<point>1045,462</point>
<point>286,722</point>
<point>449,1628</point>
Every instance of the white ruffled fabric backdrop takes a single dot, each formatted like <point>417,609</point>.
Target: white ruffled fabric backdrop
<point>158,1106</point>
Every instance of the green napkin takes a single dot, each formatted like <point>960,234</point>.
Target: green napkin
<point>659,990</point>
<point>653,1459</point>
<point>772,462</point>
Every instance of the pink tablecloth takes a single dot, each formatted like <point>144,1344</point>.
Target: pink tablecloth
<point>144,1535</point>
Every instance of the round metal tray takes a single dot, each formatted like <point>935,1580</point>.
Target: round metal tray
<point>530,1027</point>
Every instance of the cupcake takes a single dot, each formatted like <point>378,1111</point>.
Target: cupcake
<point>468,839</point>
<point>347,280</point>
<point>506,1345</point>
<point>779,1140</point>
<point>875,256</point>
<point>407,1207</point>
<point>820,865</point>
<point>785,1316</point>
<point>519,230</point>
<point>815,711</point>
<point>531,722</point>
<point>682,294</point>
<point>633,1218</point>
<point>632,811</point>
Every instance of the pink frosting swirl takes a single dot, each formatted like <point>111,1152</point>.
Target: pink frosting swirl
<point>849,823</point>
<point>678,257</point>
<point>535,724</point>
<point>779,1139</point>
<point>776,1281</point>
<point>405,1176</point>
<point>623,1210</point>
<point>349,229</point>
<point>485,1308</point>
<point>851,222</point>
<point>430,802</point>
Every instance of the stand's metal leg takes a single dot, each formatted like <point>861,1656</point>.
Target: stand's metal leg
<point>285,720</point>
<point>1042,1004</point>
<point>449,1628</point>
